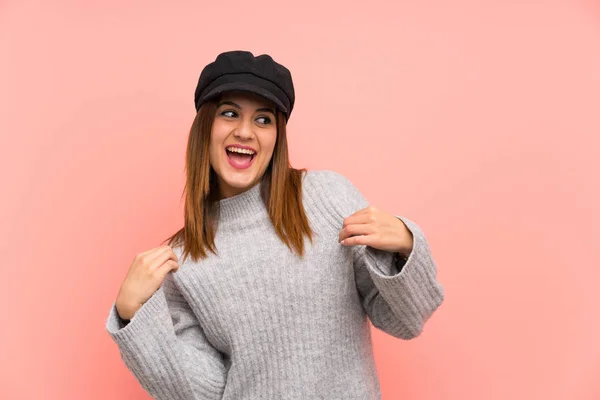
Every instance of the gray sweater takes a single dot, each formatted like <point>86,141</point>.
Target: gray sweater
<point>259,322</point>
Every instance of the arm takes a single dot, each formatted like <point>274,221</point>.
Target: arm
<point>166,350</point>
<point>398,295</point>
<point>398,299</point>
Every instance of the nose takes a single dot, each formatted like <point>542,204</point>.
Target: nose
<point>244,130</point>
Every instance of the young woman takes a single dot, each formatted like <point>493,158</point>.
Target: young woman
<point>267,290</point>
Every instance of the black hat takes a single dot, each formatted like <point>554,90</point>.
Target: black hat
<point>241,70</point>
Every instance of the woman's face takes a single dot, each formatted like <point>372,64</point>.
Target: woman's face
<point>243,137</point>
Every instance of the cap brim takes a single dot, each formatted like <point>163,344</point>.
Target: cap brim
<point>245,87</point>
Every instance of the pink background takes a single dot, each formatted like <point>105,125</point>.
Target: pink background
<point>479,120</point>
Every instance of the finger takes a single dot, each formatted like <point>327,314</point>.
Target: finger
<point>149,257</point>
<point>366,210</point>
<point>365,240</point>
<point>162,257</point>
<point>356,229</point>
<point>153,250</point>
<point>362,218</point>
<point>361,211</point>
<point>167,267</point>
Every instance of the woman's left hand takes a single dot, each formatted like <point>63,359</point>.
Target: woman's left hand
<point>373,227</point>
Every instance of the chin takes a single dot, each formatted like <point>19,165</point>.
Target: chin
<point>237,182</point>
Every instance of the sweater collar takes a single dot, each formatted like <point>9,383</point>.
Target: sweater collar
<point>246,205</point>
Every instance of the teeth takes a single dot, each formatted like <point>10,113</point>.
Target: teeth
<point>243,151</point>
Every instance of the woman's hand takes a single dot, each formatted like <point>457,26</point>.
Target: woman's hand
<point>144,277</point>
<point>373,227</point>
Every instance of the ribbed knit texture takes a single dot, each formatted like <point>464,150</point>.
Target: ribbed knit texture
<point>259,322</point>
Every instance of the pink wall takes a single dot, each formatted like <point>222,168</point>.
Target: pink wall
<point>480,122</point>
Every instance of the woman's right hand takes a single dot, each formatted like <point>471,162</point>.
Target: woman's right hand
<point>143,279</point>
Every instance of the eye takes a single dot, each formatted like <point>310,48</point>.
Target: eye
<point>229,113</point>
<point>263,120</point>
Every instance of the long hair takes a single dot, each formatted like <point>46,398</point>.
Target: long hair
<point>281,192</point>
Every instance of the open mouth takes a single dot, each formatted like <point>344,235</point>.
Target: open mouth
<point>240,158</point>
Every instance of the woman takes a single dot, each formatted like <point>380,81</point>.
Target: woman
<point>266,291</point>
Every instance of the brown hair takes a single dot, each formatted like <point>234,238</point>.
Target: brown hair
<point>281,191</point>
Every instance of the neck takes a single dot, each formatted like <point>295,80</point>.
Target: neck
<point>243,206</point>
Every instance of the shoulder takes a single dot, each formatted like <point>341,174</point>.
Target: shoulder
<point>332,190</point>
<point>327,180</point>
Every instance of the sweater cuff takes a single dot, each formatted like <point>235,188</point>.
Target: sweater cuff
<point>153,316</point>
<point>415,286</point>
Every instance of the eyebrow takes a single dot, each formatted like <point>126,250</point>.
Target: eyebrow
<point>231,103</point>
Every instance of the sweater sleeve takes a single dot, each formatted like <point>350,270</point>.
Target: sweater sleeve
<point>398,299</point>
<point>166,350</point>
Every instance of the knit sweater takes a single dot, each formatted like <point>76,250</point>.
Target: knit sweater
<point>259,322</point>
